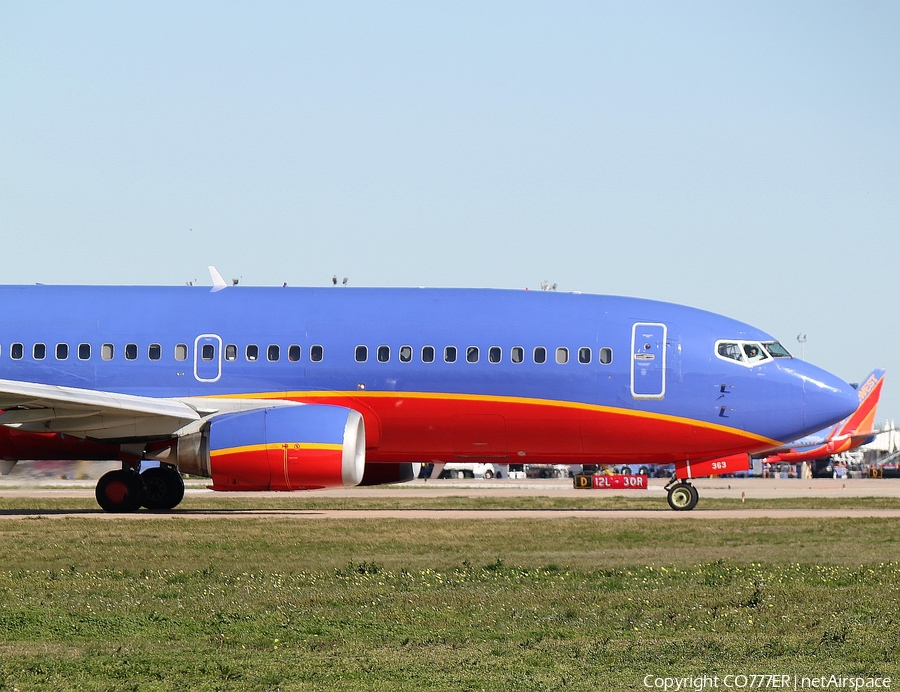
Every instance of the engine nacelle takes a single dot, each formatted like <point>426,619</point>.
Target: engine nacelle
<point>286,448</point>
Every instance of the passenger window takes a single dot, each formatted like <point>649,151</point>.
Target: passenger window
<point>384,354</point>
<point>273,353</point>
<point>39,351</point>
<point>252,352</point>
<point>62,351</point>
<point>540,354</point>
<point>495,354</point>
<point>517,354</point>
<point>154,352</point>
<point>16,351</point>
<point>130,351</point>
<point>294,353</point>
<point>405,354</point>
<point>181,352</point>
<point>207,352</point>
<point>315,353</point>
<point>584,355</point>
<point>84,351</point>
<point>362,354</point>
<point>450,354</point>
<point>107,351</point>
<point>231,352</point>
<point>472,354</point>
<point>731,351</point>
<point>606,355</point>
<point>562,355</point>
<point>428,354</point>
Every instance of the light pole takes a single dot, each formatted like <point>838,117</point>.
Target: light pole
<point>801,337</point>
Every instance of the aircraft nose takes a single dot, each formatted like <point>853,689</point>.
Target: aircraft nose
<point>827,399</point>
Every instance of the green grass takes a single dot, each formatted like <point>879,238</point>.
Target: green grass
<point>391,604</point>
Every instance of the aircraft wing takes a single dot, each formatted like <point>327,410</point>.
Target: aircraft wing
<point>98,415</point>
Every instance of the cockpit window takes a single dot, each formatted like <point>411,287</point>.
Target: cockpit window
<point>755,353</point>
<point>750,353</point>
<point>776,350</point>
<point>729,349</point>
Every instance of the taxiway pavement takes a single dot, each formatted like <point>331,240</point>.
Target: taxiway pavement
<point>749,488</point>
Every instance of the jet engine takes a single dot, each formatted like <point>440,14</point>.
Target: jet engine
<point>279,448</point>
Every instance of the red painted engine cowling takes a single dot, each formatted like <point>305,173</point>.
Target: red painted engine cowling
<point>287,448</point>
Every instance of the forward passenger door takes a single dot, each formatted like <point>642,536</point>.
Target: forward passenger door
<point>648,360</point>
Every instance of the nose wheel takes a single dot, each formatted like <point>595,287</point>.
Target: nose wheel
<point>682,496</point>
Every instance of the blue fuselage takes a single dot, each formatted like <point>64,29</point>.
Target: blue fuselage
<point>601,369</point>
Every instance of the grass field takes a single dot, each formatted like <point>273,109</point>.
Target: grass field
<point>300,604</point>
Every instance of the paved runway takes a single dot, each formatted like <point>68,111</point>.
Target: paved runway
<point>458,514</point>
<point>709,488</point>
<point>751,488</point>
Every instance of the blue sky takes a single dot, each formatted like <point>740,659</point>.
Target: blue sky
<point>742,157</point>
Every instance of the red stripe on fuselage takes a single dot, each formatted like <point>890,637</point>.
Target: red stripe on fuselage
<point>446,427</point>
<point>17,445</point>
<point>426,427</point>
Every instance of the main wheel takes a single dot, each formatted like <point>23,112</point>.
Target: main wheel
<point>682,497</point>
<point>163,488</point>
<point>488,474</point>
<point>120,491</point>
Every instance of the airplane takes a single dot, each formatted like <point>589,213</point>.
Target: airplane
<point>853,431</point>
<point>283,388</point>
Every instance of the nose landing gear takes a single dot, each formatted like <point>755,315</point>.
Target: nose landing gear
<point>682,495</point>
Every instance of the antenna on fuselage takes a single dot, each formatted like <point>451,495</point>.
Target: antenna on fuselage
<point>218,281</point>
<point>801,337</point>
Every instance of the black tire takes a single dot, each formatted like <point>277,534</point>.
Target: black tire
<point>120,491</point>
<point>488,474</point>
<point>163,488</point>
<point>682,497</point>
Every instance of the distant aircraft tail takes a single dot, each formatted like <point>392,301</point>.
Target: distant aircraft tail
<point>860,424</point>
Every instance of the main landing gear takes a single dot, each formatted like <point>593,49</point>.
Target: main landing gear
<point>125,490</point>
<point>682,495</point>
